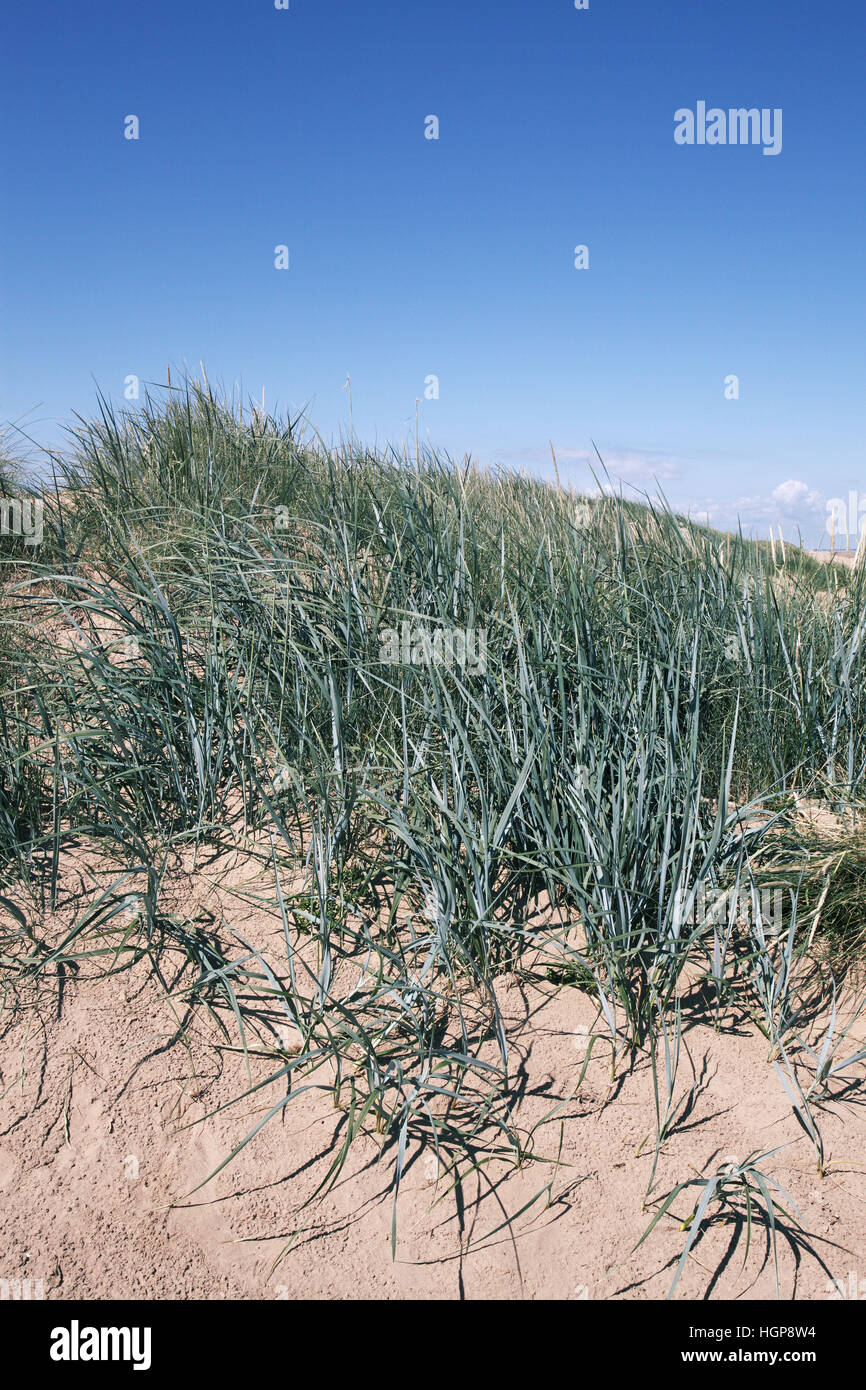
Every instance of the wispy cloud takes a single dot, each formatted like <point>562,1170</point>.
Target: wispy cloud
<point>792,503</point>
<point>627,465</point>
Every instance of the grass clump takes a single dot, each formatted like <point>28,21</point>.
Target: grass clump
<point>213,640</point>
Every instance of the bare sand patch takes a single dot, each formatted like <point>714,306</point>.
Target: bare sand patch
<point>99,1158</point>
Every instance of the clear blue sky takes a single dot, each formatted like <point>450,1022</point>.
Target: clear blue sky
<point>412,257</point>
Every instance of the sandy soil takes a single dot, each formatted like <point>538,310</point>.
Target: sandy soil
<point>838,557</point>
<point>101,1086</point>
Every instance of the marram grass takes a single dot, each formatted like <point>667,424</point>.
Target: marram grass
<point>654,699</point>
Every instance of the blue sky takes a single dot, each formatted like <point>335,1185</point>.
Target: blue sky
<point>454,258</point>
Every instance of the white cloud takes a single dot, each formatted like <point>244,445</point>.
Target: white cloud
<point>794,495</point>
<point>793,503</point>
<point>626,465</point>
<point>622,465</point>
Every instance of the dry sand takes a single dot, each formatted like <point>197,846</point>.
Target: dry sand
<point>98,1161</point>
